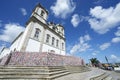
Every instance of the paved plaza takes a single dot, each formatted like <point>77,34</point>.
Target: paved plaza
<point>90,74</point>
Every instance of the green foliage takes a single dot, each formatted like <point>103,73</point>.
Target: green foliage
<point>95,62</point>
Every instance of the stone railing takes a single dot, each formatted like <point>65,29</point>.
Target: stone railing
<point>43,59</point>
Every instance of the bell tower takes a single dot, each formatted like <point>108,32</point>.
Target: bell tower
<point>40,13</point>
<point>33,30</point>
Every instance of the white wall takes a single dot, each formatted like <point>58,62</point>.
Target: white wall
<point>63,52</point>
<point>28,28</point>
<point>16,44</point>
<point>47,48</point>
<point>33,46</point>
<point>62,41</point>
<point>4,52</point>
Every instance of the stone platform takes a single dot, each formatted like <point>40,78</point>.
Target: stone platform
<point>40,59</point>
<point>39,66</point>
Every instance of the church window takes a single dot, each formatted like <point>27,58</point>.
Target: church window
<point>37,33</point>
<point>62,46</point>
<point>15,49</point>
<point>53,28</point>
<point>47,38</point>
<point>42,13</point>
<point>53,40</point>
<point>62,29</point>
<point>57,43</point>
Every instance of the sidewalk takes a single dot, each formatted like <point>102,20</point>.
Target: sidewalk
<point>82,76</point>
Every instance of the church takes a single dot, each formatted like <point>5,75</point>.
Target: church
<point>39,35</point>
<point>40,50</point>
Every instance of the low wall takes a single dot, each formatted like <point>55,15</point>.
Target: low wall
<point>43,59</point>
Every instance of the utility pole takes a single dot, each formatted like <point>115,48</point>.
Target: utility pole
<point>106,59</point>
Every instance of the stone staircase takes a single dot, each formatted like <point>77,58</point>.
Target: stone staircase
<point>103,76</point>
<point>32,72</point>
<point>77,69</point>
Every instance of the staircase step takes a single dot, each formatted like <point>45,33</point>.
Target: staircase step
<point>77,69</point>
<point>22,73</point>
<point>30,70</point>
<point>32,73</point>
<point>58,75</point>
<point>54,70</point>
<point>24,67</point>
<point>108,78</point>
<point>104,76</point>
<point>58,72</point>
<point>56,67</point>
<point>100,77</point>
<point>24,70</point>
<point>22,77</point>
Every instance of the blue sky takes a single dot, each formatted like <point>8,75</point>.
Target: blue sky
<point>92,27</point>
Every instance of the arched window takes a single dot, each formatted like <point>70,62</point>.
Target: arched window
<point>62,46</point>
<point>37,33</point>
<point>57,43</point>
<point>47,38</point>
<point>53,40</point>
<point>42,13</point>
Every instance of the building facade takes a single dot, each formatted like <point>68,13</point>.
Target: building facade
<point>40,35</point>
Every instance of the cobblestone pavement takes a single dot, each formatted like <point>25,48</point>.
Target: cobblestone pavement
<point>82,76</point>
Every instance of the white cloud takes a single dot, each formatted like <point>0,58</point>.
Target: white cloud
<point>87,37</point>
<point>84,38</point>
<point>114,58</point>
<point>10,32</point>
<point>105,46</point>
<point>102,20</point>
<point>118,32</point>
<point>116,40</point>
<point>98,1</point>
<point>62,8</point>
<point>75,20</point>
<point>118,27</point>
<point>24,12</point>
<point>82,45</point>
<point>95,53</point>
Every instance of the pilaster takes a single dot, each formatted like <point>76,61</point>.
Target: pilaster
<point>27,36</point>
<point>42,41</point>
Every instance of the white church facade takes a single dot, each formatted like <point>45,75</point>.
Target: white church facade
<point>39,35</point>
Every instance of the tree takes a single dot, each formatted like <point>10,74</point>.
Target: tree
<point>95,62</point>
